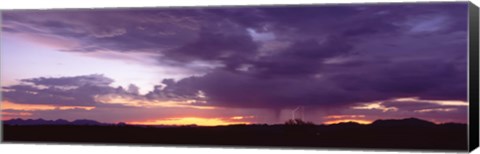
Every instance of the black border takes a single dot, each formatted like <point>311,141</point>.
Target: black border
<point>473,76</point>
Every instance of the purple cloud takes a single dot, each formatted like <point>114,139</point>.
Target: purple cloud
<point>316,56</point>
<point>65,91</point>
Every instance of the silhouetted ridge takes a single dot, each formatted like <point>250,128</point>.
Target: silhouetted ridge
<point>347,124</point>
<point>85,122</point>
<point>61,122</point>
<point>409,122</point>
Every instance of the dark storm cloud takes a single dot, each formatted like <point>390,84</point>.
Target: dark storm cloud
<point>390,55</point>
<point>233,89</point>
<point>303,58</point>
<point>317,56</point>
<point>118,30</point>
<point>428,79</point>
<point>229,47</point>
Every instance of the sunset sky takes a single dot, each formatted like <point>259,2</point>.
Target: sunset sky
<point>237,65</point>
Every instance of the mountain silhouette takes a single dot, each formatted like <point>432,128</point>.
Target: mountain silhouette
<point>409,122</point>
<point>86,122</point>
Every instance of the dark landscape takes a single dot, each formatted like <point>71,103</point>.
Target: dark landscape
<point>408,133</point>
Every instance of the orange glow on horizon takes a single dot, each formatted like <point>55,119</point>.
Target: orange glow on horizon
<point>11,115</point>
<point>190,121</point>
<point>360,121</point>
<point>335,119</point>
<point>344,116</point>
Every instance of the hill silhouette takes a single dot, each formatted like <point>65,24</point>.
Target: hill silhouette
<point>409,122</point>
<point>410,133</point>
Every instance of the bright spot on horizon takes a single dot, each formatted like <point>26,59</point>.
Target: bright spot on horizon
<point>189,121</point>
<point>360,121</point>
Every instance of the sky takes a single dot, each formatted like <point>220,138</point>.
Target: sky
<point>237,65</point>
